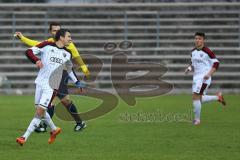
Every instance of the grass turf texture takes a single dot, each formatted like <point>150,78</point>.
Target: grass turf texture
<point>114,137</point>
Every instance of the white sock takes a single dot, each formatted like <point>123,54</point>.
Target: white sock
<point>32,126</point>
<point>197,109</point>
<point>207,98</point>
<point>49,121</point>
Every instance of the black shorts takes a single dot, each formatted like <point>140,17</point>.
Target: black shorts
<point>63,89</point>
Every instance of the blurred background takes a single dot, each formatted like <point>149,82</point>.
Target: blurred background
<point>161,32</point>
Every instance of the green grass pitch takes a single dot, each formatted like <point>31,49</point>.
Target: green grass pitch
<point>127,133</point>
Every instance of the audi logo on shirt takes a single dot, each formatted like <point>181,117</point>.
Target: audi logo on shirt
<point>56,60</point>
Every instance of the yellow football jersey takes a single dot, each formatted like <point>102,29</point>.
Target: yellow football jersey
<point>75,54</point>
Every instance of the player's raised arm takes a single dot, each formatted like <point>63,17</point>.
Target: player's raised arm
<point>78,59</point>
<point>26,40</point>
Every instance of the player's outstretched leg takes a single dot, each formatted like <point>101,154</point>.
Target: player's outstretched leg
<point>32,126</point>
<point>71,108</point>
<point>218,97</point>
<point>79,123</point>
<point>54,130</point>
<point>221,98</point>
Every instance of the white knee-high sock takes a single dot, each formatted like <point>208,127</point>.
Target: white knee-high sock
<point>207,98</point>
<point>32,126</point>
<point>197,109</point>
<point>49,121</point>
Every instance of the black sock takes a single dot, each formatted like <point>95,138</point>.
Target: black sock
<point>50,111</point>
<point>73,111</point>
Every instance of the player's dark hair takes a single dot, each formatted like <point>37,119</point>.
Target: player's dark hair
<point>200,34</point>
<point>53,24</point>
<point>61,33</point>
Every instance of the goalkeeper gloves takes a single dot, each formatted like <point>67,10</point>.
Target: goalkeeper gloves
<point>80,84</point>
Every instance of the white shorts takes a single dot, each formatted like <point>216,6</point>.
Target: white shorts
<point>44,95</point>
<point>200,85</point>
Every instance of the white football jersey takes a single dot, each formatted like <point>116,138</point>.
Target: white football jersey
<point>53,59</point>
<point>203,60</point>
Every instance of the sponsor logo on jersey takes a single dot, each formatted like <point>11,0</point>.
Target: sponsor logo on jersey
<point>56,60</point>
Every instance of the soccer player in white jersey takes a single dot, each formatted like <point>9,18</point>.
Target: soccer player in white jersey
<point>52,57</point>
<point>63,89</point>
<point>203,63</point>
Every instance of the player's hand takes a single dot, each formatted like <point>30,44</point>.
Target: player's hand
<point>87,73</point>
<point>80,85</point>
<point>188,69</point>
<point>18,35</point>
<point>206,77</point>
<point>39,64</point>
